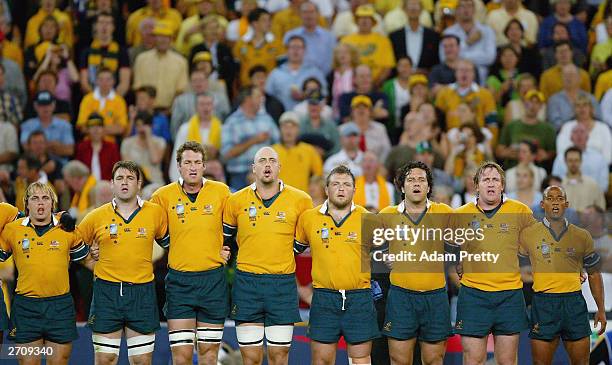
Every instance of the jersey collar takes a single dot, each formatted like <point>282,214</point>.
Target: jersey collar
<point>181,181</point>
<point>253,186</point>
<point>138,199</point>
<point>557,238</point>
<point>401,207</point>
<point>26,221</point>
<point>325,207</point>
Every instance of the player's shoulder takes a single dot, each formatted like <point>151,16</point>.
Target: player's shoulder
<point>100,211</point>
<point>166,190</point>
<point>388,209</point>
<point>14,225</point>
<point>217,187</point>
<point>534,229</point>
<point>467,208</point>
<point>151,206</point>
<point>295,192</point>
<point>241,194</point>
<point>515,206</point>
<point>436,207</point>
<point>576,231</point>
<point>6,207</point>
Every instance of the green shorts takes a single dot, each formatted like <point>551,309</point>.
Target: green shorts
<point>52,319</point>
<point>264,298</point>
<point>563,314</point>
<point>357,322</point>
<point>423,315</point>
<point>202,295</point>
<point>118,305</point>
<point>4,319</point>
<point>482,312</point>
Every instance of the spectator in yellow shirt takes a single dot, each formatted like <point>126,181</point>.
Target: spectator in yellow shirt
<point>107,103</point>
<point>154,9</point>
<point>551,81</point>
<point>48,7</point>
<point>289,18</point>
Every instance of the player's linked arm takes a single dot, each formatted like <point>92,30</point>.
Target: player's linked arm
<point>592,264</point>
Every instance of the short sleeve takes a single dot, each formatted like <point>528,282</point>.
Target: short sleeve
<point>300,231</point>
<point>230,218</point>
<point>5,245</point>
<point>162,224</point>
<point>86,229</point>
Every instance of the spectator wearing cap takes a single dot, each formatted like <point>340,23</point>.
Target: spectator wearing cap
<point>375,49</point>
<point>104,52</point>
<point>465,90</point>
<point>159,12</point>
<point>58,132</point>
<point>299,161</point>
<point>419,94</point>
<point>203,127</point>
<point>562,14</point>
<point>372,191</point>
<point>364,85</point>
<point>225,68</point>
<point>477,40</point>
<point>345,22</point>
<point>552,80</point>
<point>259,47</point>
<point>285,80</point>
<point>270,104</point>
<point>49,8</point>
<point>312,91</point>
<point>289,18</point>
<point>373,135</point>
<point>105,101</point>
<point>145,103</point>
<point>149,65</point>
<point>320,42</point>
<point>350,155</point>
<point>314,122</point>
<point>190,32</point>
<point>414,40</point>
<point>98,154</point>
<point>526,156</point>
<point>10,108</point>
<point>513,9</point>
<point>541,134</point>
<point>515,109</point>
<point>244,132</point>
<point>146,149</point>
<point>397,90</point>
<point>600,137</point>
<point>184,105</point>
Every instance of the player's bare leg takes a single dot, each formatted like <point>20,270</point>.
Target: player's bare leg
<point>323,353</point>
<point>578,351</point>
<point>401,351</point>
<point>360,353</point>
<point>180,332</point>
<point>432,353</point>
<point>140,347</point>
<point>506,349</point>
<point>474,350</point>
<point>209,340</point>
<point>542,352</point>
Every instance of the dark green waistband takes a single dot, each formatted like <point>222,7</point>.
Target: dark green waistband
<point>558,295</point>
<point>426,292</point>
<point>216,270</point>
<point>44,299</point>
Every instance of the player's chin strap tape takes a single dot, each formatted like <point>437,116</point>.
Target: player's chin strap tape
<point>299,247</point>
<point>210,335</point>
<point>250,335</point>
<point>181,337</point>
<point>279,335</point>
<point>140,345</point>
<point>106,345</point>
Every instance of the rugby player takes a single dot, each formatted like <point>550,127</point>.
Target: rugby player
<point>558,252</point>
<point>417,303</point>
<point>43,316</point>
<point>124,296</point>
<point>342,303</point>
<point>197,296</point>
<point>259,221</point>
<point>491,297</point>
<point>8,213</point>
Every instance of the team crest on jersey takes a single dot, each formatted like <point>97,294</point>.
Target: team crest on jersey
<point>504,228</point>
<point>325,235</point>
<point>25,245</point>
<point>252,213</point>
<point>475,224</point>
<point>281,217</point>
<point>180,210</point>
<point>54,245</point>
<point>113,230</point>
<point>142,233</point>
<point>352,236</point>
<point>208,209</point>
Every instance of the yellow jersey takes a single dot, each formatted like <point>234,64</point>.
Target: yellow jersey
<point>557,261</point>
<point>501,228</point>
<point>8,213</point>
<point>480,100</point>
<point>298,164</point>
<point>265,54</point>
<point>166,14</point>
<point>265,229</point>
<point>196,226</point>
<point>126,245</point>
<point>425,271</point>
<point>375,50</point>
<point>42,256</point>
<point>337,249</point>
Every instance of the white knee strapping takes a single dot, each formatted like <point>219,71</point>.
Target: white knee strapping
<point>106,345</point>
<point>279,335</point>
<point>181,337</point>
<point>210,334</point>
<point>250,335</point>
<point>140,345</point>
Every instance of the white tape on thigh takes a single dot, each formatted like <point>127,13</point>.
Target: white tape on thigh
<point>106,345</point>
<point>210,334</point>
<point>250,335</point>
<point>181,337</point>
<point>140,345</point>
<point>279,335</point>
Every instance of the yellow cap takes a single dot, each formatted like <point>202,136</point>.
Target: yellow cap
<point>361,100</point>
<point>366,10</point>
<point>448,6</point>
<point>417,79</point>
<point>534,93</point>
<point>202,56</point>
<point>163,28</point>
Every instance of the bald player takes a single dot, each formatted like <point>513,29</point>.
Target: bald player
<point>259,221</point>
<point>558,252</point>
<point>197,296</point>
<point>342,302</point>
<point>491,297</point>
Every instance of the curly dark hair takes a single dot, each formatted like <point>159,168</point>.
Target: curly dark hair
<point>402,172</point>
